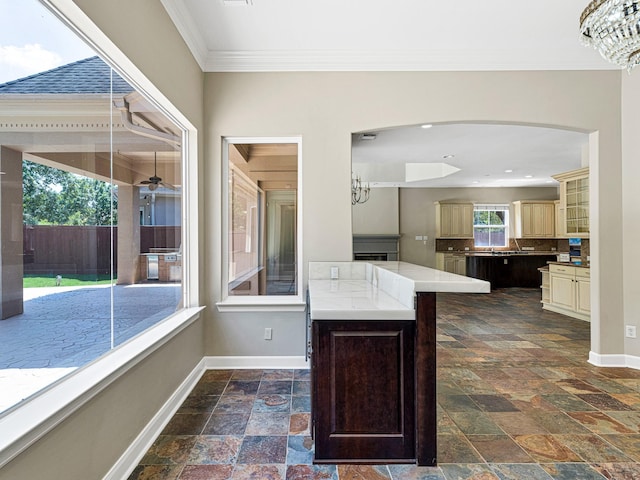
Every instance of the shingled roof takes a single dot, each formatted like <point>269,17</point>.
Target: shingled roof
<point>87,76</point>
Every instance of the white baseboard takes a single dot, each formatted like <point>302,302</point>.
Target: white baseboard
<point>616,360</point>
<point>217,363</point>
<point>138,448</point>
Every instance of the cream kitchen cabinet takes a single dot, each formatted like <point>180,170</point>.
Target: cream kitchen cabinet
<point>583,291</point>
<point>451,263</point>
<point>561,224</point>
<point>454,220</point>
<point>534,219</point>
<point>569,291</point>
<point>574,201</point>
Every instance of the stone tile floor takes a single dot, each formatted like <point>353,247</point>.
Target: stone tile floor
<point>516,400</point>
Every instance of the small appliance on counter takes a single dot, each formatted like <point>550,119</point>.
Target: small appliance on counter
<point>564,257</point>
<point>575,248</point>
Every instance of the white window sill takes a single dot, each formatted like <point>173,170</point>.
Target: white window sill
<point>28,422</point>
<point>263,303</point>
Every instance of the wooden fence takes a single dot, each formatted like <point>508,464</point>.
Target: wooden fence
<point>66,249</point>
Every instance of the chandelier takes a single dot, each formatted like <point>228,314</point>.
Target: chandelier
<point>359,191</point>
<point>613,28</point>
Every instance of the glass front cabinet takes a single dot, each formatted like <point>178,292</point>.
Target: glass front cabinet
<point>574,201</point>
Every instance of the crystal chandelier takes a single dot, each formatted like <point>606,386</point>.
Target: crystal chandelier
<point>359,191</point>
<point>613,28</point>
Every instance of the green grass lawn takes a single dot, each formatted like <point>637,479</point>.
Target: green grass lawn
<point>32,281</point>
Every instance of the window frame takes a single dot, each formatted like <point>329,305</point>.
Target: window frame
<point>231,303</point>
<point>30,420</point>
<point>492,208</point>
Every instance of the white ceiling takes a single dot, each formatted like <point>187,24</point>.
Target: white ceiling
<point>281,35</point>
<point>482,152</point>
<point>409,35</point>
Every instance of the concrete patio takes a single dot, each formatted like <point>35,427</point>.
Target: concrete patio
<point>63,328</point>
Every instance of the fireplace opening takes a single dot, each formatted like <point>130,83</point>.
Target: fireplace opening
<point>383,247</point>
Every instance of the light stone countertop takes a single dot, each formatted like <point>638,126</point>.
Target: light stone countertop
<point>378,290</point>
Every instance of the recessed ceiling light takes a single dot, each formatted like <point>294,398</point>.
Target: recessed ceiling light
<point>237,3</point>
<point>475,181</point>
<point>426,125</point>
<point>448,156</point>
<point>528,176</point>
<point>508,171</point>
<point>549,181</point>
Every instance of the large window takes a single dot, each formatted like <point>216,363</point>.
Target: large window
<point>491,225</point>
<point>262,237</point>
<point>92,241</point>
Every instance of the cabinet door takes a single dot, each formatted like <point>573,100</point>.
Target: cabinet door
<point>364,390</point>
<point>460,265</point>
<point>527,219</point>
<point>583,295</point>
<point>446,221</point>
<point>449,264</point>
<point>465,216</point>
<point>455,220</point>
<point>549,220</point>
<point>563,291</point>
<point>538,220</point>
<point>537,228</point>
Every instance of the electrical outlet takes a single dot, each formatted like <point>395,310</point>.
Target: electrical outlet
<point>630,331</point>
<point>267,333</point>
<point>335,273</point>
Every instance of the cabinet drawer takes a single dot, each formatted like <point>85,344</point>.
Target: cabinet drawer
<point>566,270</point>
<point>583,272</point>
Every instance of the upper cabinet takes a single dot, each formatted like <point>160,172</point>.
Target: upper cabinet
<point>574,202</point>
<point>534,219</point>
<point>454,220</point>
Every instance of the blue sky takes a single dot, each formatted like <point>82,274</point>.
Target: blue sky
<point>33,40</point>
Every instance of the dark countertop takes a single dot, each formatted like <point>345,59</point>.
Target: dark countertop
<point>500,253</point>
<point>571,264</point>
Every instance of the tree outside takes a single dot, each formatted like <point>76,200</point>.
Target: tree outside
<point>56,197</point>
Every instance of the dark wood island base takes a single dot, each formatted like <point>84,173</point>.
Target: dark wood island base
<point>374,389</point>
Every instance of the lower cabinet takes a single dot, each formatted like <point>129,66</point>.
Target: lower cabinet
<point>363,391</point>
<point>569,291</point>
<point>452,263</point>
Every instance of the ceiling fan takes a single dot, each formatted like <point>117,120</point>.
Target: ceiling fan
<point>155,181</point>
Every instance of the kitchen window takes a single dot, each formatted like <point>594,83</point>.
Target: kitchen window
<point>491,225</point>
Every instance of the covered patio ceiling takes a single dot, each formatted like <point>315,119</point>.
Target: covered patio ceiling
<point>83,132</point>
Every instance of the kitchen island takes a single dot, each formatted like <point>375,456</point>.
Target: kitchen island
<point>373,364</point>
<point>508,269</point>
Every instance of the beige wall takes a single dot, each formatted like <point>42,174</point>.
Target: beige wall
<point>380,214</point>
<point>89,442</point>
<point>325,108</point>
<point>418,214</point>
<point>631,206</point>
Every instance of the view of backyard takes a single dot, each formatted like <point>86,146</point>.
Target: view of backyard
<point>63,328</point>
<point>90,210</point>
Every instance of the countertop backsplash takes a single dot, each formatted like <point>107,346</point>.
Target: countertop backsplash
<point>559,245</point>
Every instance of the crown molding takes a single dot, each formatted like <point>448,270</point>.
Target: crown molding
<point>183,20</point>
<point>423,60</point>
